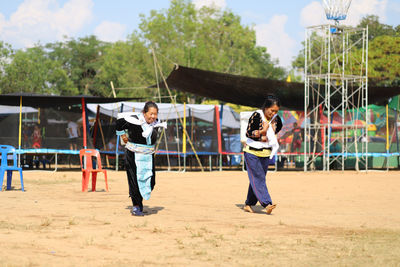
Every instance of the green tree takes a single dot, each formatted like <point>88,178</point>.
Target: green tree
<point>384,53</point>
<point>5,53</point>
<point>81,59</point>
<point>128,64</point>
<point>383,61</point>
<point>34,72</point>
<point>376,29</point>
<point>209,39</point>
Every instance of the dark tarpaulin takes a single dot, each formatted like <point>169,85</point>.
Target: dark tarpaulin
<point>44,101</point>
<point>249,91</point>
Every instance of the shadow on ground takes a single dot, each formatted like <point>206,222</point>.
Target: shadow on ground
<point>257,209</point>
<point>148,210</point>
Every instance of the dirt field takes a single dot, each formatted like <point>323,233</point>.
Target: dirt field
<point>196,218</point>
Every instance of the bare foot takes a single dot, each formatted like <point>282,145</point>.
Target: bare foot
<point>269,208</point>
<point>248,208</point>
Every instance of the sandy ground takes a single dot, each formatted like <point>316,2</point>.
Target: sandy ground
<point>194,218</point>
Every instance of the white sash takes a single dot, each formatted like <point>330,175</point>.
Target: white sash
<point>272,141</point>
<point>146,127</point>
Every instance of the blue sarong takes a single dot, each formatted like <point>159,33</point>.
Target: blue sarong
<point>144,166</point>
<point>144,172</point>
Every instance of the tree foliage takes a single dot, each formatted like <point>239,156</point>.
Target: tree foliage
<point>376,29</point>
<point>209,39</point>
<point>383,60</point>
<point>34,72</point>
<point>206,38</point>
<point>82,60</point>
<point>128,64</point>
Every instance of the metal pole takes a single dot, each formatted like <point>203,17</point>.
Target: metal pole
<point>327,101</point>
<point>397,130</point>
<point>221,112</point>
<point>366,90</point>
<point>344,99</point>
<point>20,130</point>
<point>219,136</point>
<point>387,137</point>
<point>397,133</point>
<point>116,146</point>
<point>177,144</point>
<point>55,161</point>
<point>96,125</point>
<point>113,89</point>
<point>305,103</point>
<point>184,137</point>
<point>84,122</point>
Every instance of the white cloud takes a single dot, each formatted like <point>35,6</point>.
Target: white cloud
<point>110,31</point>
<point>360,8</point>
<point>273,36</point>
<point>314,14</point>
<point>44,21</point>
<point>210,3</point>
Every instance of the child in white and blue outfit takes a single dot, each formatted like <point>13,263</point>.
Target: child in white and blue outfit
<point>141,137</point>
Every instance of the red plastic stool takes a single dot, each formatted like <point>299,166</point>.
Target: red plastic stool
<point>87,168</point>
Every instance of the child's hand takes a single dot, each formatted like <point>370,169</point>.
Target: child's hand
<point>264,129</point>
<point>256,133</point>
<point>124,138</point>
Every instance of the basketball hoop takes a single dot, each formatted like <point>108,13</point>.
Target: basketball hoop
<point>336,9</point>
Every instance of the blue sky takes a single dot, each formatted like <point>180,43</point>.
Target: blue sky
<point>279,25</point>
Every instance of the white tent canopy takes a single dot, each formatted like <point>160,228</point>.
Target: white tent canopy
<point>230,118</point>
<point>15,110</point>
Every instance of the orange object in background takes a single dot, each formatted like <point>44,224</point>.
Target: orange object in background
<point>87,168</point>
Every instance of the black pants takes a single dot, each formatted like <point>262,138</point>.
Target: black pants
<point>134,193</point>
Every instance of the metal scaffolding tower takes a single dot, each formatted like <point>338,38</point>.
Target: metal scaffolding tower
<point>336,98</point>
